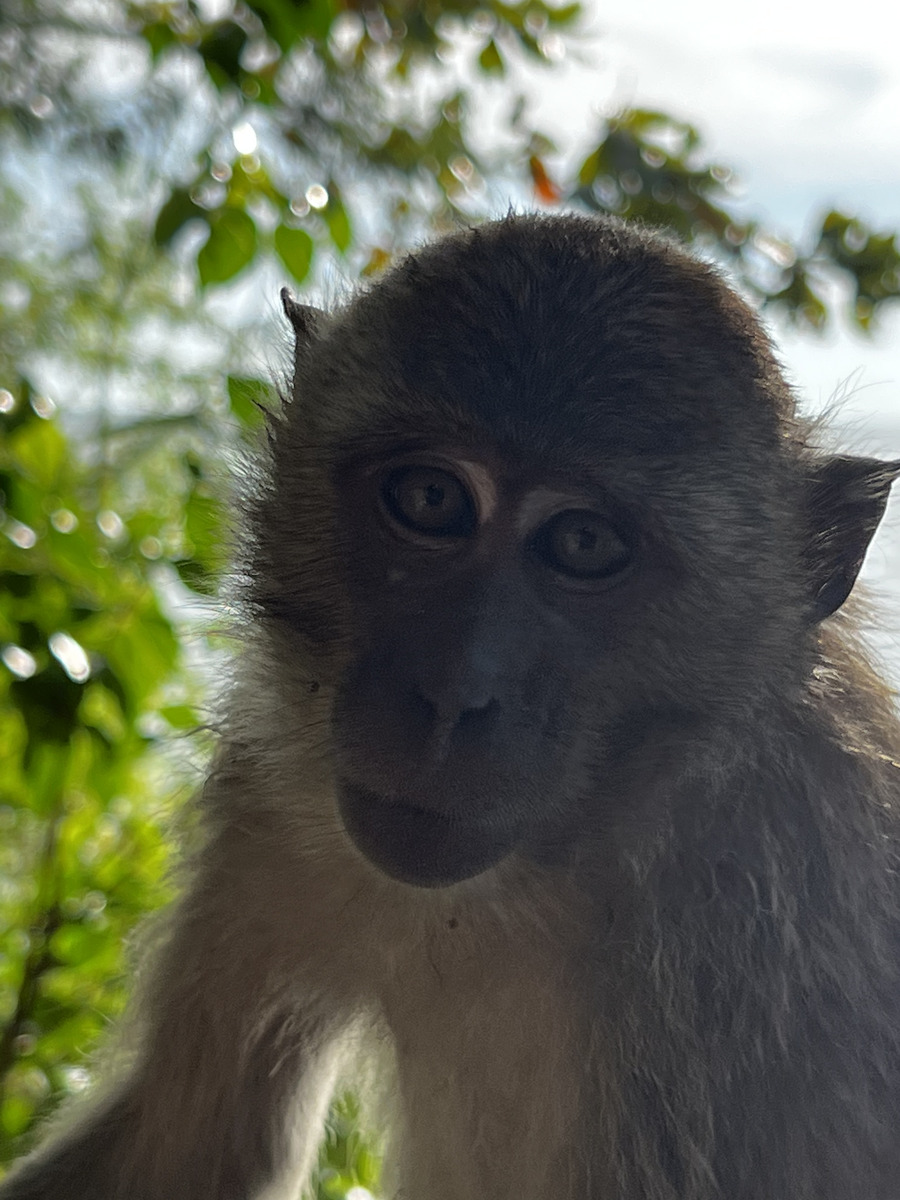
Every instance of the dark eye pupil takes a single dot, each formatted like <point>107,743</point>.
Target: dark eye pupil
<point>584,545</point>
<point>586,540</point>
<point>429,500</point>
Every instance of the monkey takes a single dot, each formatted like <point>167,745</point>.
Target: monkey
<point>553,781</point>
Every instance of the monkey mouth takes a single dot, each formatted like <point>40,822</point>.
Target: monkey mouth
<point>415,845</point>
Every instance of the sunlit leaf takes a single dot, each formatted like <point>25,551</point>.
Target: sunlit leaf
<point>546,190</point>
<point>159,36</point>
<point>100,708</point>
<point>587,172</point>
<point>563,15</point>
<point>205,528</point>
<point>490,60</point>
<point>180,716</point>
<point>247,398</point>
<point>338,223</point>
<point>229,248</point>
<point>176,212</point>
<point>39,450</point>
<point>75,944</point>
<point>295,249</point>
<point>288,22</point>
<point>378,260</point>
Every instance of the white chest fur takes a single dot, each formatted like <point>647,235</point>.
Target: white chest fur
<point>490,1062</point>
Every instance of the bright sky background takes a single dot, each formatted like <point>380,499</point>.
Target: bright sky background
<point>803,100</point>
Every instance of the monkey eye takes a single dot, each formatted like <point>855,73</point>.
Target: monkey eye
<point>583,545</point>
<point>430,501</point>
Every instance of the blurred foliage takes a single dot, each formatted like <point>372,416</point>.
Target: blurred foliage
<point>166,163</point>
<point>346,1159</point>
<point>650,167</point>
<point>293,131</point>
<point>93,685</point>
<point>86,650</point>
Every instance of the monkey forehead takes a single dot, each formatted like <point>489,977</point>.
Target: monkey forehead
<point>555,326</point>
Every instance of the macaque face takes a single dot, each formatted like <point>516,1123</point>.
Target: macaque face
<point>480,598</point>
<point>558,511</point>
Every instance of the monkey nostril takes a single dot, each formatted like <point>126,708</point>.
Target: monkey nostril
<point>452,706</point>
<point>484,707</point>
<point>453,716</point>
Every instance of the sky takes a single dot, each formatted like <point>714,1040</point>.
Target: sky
<point>803,101</point>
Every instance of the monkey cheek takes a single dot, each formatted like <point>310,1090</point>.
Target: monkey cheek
<point>418,847</point>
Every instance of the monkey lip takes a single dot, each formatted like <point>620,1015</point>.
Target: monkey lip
<point>417,846</point>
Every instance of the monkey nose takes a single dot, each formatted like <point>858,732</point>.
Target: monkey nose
<point>458,696</point>
<point>456,706</point>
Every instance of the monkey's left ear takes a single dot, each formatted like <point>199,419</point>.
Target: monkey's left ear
<point>304,318</point>
<point>846,500</point>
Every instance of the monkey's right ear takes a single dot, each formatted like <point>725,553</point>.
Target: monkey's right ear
<point>846,500</point>
<point>304,318</point>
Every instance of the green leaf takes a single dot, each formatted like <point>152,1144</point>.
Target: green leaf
<point>588,171</point>
<point>194,574</point>
<point>247,398</point>
<point>180,716</point>
<point>39,451</point>
<point>338,222</point>
<point>288,22</point>
<point>76,944</point>
<point>295,249</point>
<point>511,14</point>
<point>159,36</point>
<point>177,211</point>
<point>221,50</point>
<point>141,653</point>
<point>204,525</point>
<point>16,1114</point>
<point>490,59</point>
<point>564,15</point>
<point>231,246</point>
<point>101,710</point>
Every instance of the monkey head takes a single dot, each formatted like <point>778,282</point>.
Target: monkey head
<point>539,493</point>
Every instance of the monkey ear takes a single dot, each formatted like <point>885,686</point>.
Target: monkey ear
<point>304,318</point>
<point>847,499</point>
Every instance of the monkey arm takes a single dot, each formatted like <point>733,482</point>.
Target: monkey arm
<point>227,1094</point>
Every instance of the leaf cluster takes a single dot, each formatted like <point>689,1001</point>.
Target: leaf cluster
<point>649,166</point>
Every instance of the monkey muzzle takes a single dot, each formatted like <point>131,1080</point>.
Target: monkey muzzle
<point>419,846</point>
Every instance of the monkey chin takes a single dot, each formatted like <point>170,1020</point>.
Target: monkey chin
<point>418,847</point>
